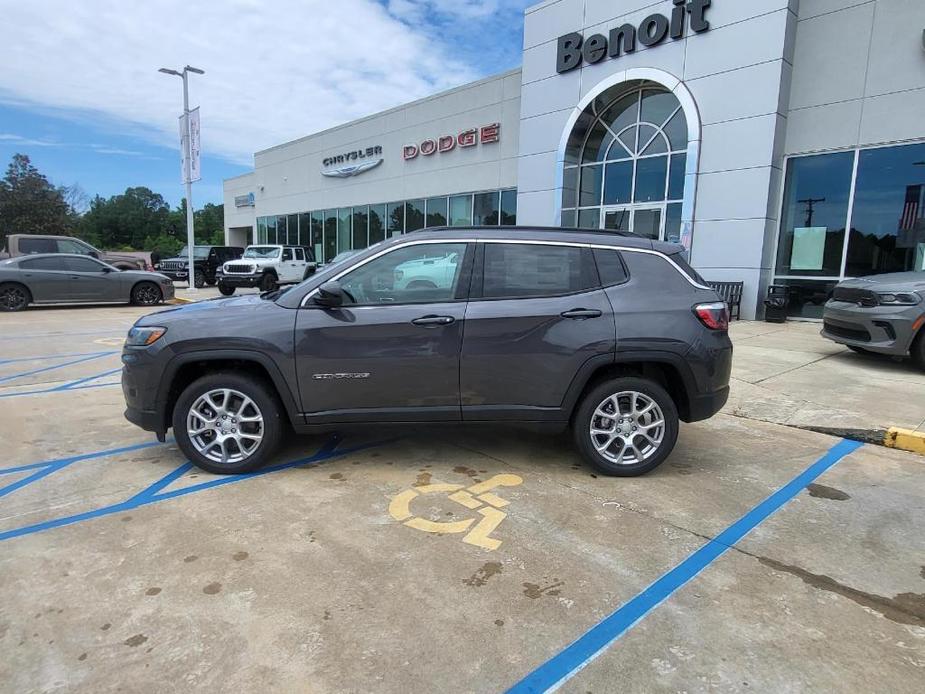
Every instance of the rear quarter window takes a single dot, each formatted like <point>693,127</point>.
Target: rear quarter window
<point>681,259</point>
<point>610,267</point>
<point>655,273</point>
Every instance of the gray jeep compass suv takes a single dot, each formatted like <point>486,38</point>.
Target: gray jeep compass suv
<point>615,336</point>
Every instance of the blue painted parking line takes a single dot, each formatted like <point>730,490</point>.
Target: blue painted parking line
<point>80,381</point>
<point>43,369</point>
<point>79,384</point>
<point>153,494</point>
<point>46,357</point>
<point>559,669</point>
<point>49,466</point>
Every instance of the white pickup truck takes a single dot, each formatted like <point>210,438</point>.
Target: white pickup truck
<point>267,267</point>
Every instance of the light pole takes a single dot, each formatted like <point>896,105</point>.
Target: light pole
<point>187,157</point>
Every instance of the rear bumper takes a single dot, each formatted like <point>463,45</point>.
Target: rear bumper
<point>706,405</point>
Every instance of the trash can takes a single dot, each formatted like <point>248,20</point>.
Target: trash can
<point>775,306</point>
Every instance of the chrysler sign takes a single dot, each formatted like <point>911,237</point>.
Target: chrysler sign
<point>575,49</point>
<point>352,163</point>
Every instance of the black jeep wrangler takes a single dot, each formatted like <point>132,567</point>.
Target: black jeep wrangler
<point>207,260</point>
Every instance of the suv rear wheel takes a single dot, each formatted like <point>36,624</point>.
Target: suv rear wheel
<point>227,423</point>
<point>199,279</point>
<point>626,426</point>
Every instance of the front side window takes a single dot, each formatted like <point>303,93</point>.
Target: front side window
<point>425,273</point>
<point>515,270</point>
<point>287,254</point>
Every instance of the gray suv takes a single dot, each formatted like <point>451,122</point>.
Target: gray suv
<point>883,314</point>
<point>615,336</point>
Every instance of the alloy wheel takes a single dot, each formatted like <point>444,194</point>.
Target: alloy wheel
<point>147,295</point>
<point>225,426</point>
<point>627,428</point>
<point>12,298</point>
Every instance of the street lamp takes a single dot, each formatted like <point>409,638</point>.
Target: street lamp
<point>187,156</point>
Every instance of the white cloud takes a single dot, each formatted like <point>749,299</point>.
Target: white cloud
<point>19,140</point>
<point>274,70</point>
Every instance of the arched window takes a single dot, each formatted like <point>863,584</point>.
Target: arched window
<point>625,163</point>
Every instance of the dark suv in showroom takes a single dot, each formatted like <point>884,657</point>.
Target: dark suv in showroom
<point>615,336</point>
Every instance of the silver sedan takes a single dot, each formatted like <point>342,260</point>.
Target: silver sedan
<point>51,278</point>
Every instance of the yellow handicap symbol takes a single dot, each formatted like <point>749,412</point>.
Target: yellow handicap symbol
<point>477,497</point>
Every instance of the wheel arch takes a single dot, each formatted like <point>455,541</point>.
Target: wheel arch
<point>665,368</point>
<point>186,368</point>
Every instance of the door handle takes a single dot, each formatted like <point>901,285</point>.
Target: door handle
<point>434,320</point>
<point>582,313</point>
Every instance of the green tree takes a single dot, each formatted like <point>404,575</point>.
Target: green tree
<point>30,204</point>
<point>127,220</point>
<point>208,222</point>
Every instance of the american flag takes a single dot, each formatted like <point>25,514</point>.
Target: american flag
<point>912,208</point>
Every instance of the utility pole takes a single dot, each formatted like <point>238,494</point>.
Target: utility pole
<point>187,176</point>
<point>810,208</point>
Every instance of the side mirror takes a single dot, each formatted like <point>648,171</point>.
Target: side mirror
<point>106,270</point>
<point>330,295</point>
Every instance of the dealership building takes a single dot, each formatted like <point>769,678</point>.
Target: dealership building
<point>781,141</point>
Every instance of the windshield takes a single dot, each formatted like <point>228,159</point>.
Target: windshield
<point>262,252</point>
<point>198,252</point>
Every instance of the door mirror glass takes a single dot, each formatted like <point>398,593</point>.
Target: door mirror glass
<point>330,295</point>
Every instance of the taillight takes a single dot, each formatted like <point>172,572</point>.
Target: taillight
<point>714,316</point>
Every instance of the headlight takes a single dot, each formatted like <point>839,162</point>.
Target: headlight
<point>142,337</point>
<point>900,299</point>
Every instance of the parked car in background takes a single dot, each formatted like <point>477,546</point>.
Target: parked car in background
<point>51,278</point>
<point>610,335</point>
<point>267,267</point>
<point>29,244</point>
<point>206,259</point>
<point>881,314</point>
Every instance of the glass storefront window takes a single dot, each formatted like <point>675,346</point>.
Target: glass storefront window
<point>508,208</point>
<point>461,210</point>
<point>590,191</point>
<point>570,187</point>
<point>651,177</point>
<point>317,237</point>
<point>807,297</point>
<point>569,218</point>
<point>673,223</point>
<point>676,177</point>
<point>305,226</point>
<point>281,233</point>
<point>888,220</point>
<point>376,223</point>
<point>293,236</point>
<point>815,211</point>
<point>589,219</point>
<point>344,229</point>
<point>262,230</point>
<point>436,212</point>
<point>485,209</point>
<point>618,189</point>
<point>414,215</point>
<point>271,229</point>
<point>360,227</point>
<point>396,216</point>
<point>330,235</point>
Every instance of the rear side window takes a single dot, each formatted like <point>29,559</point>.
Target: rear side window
<point>299,254</point>
<point>43,264</point>
<point>610,267</point>
<point>515,270</point>
<point>27,245</point>
<point>83,265</point>
<point>681,260</point>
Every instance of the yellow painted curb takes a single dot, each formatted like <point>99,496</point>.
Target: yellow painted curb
<point>905,440</point>
<point>181,300</point>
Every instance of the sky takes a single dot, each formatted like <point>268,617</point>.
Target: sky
<point>81,96</point>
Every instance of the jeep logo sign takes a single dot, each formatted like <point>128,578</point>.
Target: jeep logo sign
<point>445,143</point>
<point>573,48</point>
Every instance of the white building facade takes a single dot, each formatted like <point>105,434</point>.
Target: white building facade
<point>781,141</point>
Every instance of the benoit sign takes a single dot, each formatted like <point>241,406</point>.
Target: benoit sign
<point>573,48</point>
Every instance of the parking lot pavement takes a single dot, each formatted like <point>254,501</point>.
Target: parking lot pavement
<point>790,375</point>
<point>123,567</point>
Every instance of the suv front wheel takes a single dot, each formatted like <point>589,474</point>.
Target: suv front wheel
<point>626,426</point>
<point>227,423</point>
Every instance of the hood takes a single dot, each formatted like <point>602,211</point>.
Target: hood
<point>892,282</point>
<point>145,275</point>
<point>203,310</point>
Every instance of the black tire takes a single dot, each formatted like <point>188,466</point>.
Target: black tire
<point>265,401</point>
<point>14,297</point>
<point>199,279</point>
<point>268,282</point>
<point>586,412</point>
<point>918,349</point>
<point>146,294</point>
<point>211,282</point>
<point>225,289</point>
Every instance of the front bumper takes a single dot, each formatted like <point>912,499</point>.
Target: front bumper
<point>141,380</point>
<point>882,329</point>
<point>236,280</point>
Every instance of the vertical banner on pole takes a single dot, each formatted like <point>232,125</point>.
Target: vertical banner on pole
<point>184,163</point>
<point>195,171</point>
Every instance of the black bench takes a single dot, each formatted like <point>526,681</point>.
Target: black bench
<point>732,295</point>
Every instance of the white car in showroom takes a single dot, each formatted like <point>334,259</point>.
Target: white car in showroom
<point>267,267</point>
